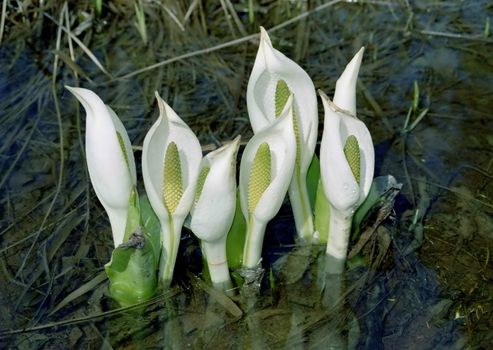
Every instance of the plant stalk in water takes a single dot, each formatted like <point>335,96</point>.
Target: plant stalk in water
<point>170,166</point>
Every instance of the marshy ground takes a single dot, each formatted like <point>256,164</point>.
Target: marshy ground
<point>425,278</point>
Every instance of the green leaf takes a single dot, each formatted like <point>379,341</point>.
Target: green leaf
<point>322,214</point>
<point>236,238</point>
<point>133,265</point>
<point>152,227</point>
<point>312,178</point>
<point>133,215</point>
<point>132,270</point>
<point>380,186</point>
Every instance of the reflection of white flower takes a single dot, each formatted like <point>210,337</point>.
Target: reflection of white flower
<point>109,158</point>
<point>274,77</point>
<point>214,209</point>
<point>265,173</point>
<point>347,159</point>
<point>170,166</point>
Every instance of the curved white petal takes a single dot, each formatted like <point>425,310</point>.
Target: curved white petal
<point>345,93</point>
<point>110,175</point>
<point>170,128</point>
<point>339,183</point>
<point>271,66</point>
<point>212,214</point>
<point>280,137</point>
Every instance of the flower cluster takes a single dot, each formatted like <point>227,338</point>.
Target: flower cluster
<point>179,181</point>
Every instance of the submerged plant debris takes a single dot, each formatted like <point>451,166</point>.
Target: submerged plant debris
<point>423,278</point>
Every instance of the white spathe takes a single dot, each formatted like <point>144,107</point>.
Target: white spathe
<point>213,212</point>
<point>112,173</point>
<point>214,209</point>
<point>271,66</point>
<point>340,121</point>
<point>169,128</point>
<point>279,135</point>
<point>341,188</point>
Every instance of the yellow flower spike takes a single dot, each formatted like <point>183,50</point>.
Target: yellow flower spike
<point>259,176</point>
<point>201,181</point>
<point>172,181</point>
<point>351,151</point>
<point>282,95</point>
<point>122,146</point>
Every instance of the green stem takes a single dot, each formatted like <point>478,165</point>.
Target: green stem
<point>300,204</point>
<point>322,214</point>
<point>253,244</point>
<point>170,240</point>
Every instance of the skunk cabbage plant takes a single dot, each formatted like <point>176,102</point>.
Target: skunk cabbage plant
<point>109,159</point>
<point>347,161</point>
<point>214,209</point>
<point>132,269</point>
<point>266,169</point>
<point>273,79</point>
<point>171,159</point>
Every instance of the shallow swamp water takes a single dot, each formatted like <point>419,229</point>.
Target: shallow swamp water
<point>424,278</point>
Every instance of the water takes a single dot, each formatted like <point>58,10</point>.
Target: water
<point>423,281</point>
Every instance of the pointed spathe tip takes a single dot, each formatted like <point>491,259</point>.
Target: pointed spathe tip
<point>350,74</point>
<point>77,92</point>
<point>264,36</point>
<point>345,93</point>
<point>323,95</point>
<point>236,140</point>
<point>162,105</point>
<point>160,102</point>
<point>89,99</point>
<point>356,60</point>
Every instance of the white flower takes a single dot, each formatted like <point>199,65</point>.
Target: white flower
<point>109,158</point>
<point>215,201</point>
<point>343,189</point>
<point>214,209</point>
<point>274,77</point>
<point>347,159</point>
<point>265,173</point>
<point>170,166</point>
